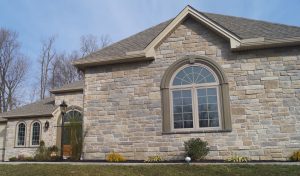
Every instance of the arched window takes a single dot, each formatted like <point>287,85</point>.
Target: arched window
<point>195,97</point>
<point>36,133</point>
<point>21,133</point>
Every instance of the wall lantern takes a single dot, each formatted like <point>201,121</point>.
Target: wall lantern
<point>63,107</point>
<point>46,124</point>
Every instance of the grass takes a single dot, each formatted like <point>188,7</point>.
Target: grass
<point>147,170</point>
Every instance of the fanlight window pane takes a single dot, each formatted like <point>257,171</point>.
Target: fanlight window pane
<point>193,75</point>
<point>182,109</point>
<point>21,134</point>
<point>36,128</point>
<point>73,116</point>
<point>208,107</point>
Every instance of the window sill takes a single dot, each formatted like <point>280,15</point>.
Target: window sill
<point>196,131</point>
<point>26,147</point>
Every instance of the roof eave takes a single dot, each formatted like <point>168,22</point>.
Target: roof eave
<point>130,57</point>
<point>58,91</point>
<point>261,43</point>
<point>27,116</point>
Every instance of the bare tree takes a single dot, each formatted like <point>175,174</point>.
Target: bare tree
<point>105,40</point>
<point>62,70</point>
<point>90,43</point>
<point>15,76</point>
<point>57,69</point>
<point>13,67</point>
<point>47,55</point>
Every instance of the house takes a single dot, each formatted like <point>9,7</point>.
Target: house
<point>231,81</point>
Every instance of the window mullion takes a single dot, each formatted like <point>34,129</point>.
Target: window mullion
<point>195,107</point>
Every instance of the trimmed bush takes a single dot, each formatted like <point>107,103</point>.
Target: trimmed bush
<point>13,159</point>
<point>196,149</point>
<point>296,156</point>
<point>115,157</point>
<point>154,159</point>
<point>238,159</point>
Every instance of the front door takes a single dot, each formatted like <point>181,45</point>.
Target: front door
<point>72,135</point>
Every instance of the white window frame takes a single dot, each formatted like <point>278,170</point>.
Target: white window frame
<point>40,135</point>
<point>17,134</point>
<point>193,88</point>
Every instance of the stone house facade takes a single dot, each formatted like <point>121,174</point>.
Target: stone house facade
<point>230,81</point>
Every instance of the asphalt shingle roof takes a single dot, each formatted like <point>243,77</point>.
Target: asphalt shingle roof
<point>248,28</point>
<point>37,109</point>
<point>241,27</point>
<point>75,86</point>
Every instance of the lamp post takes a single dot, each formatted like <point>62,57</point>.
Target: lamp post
<point>63,109</point>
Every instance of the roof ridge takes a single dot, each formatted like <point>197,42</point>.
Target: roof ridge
<point>249,19</point>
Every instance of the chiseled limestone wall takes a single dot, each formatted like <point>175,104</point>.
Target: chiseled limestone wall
<point>2,138</point>
<point>123,112</point>
<point>71,98</point>
<point>47,135</point>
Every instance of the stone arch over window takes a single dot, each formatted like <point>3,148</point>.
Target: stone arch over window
<point>21,134</point>
<point>195,97</point>
<point>35,133</point>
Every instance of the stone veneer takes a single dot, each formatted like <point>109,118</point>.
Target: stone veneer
<point>47,135</point>
<point>2,138</point>
<point>122,104</point>
<point>71,98</point>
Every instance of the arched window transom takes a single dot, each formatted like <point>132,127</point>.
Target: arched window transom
<point>21,134</point>
<point>194,93</point>
<point>36,133</point>
<point>193,75</point>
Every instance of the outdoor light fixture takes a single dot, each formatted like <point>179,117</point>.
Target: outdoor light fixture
<point>46,124</point>
<point>63,107</point>
<point>188,159</point>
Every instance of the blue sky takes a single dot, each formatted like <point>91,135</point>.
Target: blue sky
<point>35,20</point>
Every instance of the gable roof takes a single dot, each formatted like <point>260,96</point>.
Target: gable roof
<point>241,32</point>
<point>2,119</point>
<point>72,87</point>
<point>42,108</point>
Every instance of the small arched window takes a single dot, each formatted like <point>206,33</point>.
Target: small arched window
<point>36,133</point>
<point>195,96</point>
<point>21,133</point>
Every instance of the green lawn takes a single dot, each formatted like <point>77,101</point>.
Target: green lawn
<point>147,170</point>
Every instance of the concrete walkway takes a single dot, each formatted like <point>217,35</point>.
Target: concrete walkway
<point>138,164</point>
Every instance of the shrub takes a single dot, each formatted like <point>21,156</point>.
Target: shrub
<point>21,157</point>
<point>196,149</point>
<point>53,148</point>
<point>296,156</point>
<point>13,159</point>
<point>238,159</point>
<point>28,158</point>
<point>154,159</point>
<point>115,157</point>
<point>42,153</point>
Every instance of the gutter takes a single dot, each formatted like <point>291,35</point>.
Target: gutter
<point>261,42</point>
<point>27,116</point>
<point>92,61</point>
<point>58,91</point>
